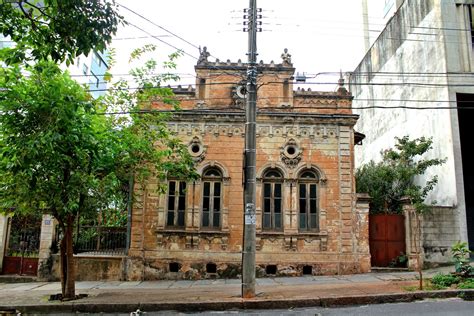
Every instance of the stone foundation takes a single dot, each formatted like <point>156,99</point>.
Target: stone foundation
<point>88,268</point>
<point>137,270</point>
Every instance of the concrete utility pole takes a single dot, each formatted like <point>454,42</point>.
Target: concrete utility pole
<point>248,251</point>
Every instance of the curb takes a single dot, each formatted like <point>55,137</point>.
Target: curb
<point>78,307</point>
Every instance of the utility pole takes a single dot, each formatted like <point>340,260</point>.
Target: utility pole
<point>248,251</point>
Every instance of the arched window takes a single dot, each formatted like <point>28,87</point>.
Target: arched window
<point>308,201</point>
<point>272,200</point>
<point>176,203</point>
<point>211,198</point>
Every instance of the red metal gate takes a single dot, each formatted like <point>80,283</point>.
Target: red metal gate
<point>21,256</point>
<point>386,238</point>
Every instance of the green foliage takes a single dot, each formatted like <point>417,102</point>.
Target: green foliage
<point>445,280</point>
<point>49,154</point>
<point>467,284</point>
<point>460,253</point>
<point>400,261</point>
<point>393,178</point>
<point>58,30</point>
<point>60,153</point>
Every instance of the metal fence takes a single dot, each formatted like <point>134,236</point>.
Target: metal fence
<point>101,240</point>
<point>98,240</point>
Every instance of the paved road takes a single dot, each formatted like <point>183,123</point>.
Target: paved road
<point>125,297</point>
<point>446,307</point>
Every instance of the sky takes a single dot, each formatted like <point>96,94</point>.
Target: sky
<point>322,36</point>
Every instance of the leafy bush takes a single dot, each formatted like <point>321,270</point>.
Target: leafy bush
<point>467,284</point>
<point>392,179</point>
<point>400,261</point>
<point>460,253</point>
<point>445,280</point>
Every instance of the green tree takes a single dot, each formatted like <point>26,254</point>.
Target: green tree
<point>58,30</point>
<point>61,154</point>
<point>396,176</point>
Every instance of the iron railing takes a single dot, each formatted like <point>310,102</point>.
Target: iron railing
<point>98,240</point>
<point>101,240</point>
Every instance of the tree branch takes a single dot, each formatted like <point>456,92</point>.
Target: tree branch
<point>38,8</point>
<point>29,17</point>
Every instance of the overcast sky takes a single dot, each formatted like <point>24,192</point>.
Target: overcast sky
<point>321,35</point>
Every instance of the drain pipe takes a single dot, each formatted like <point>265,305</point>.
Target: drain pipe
<point>129,212</point>
<point>129,228</point>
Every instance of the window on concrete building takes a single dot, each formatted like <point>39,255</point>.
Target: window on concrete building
<point>176,203</point>
<point>211,198</point>
<point>95,80</point>
<point>272,200</point>
<point>471,22</point>
<point>308,201</point>
<point>98,59</point>
<point>85,69</point>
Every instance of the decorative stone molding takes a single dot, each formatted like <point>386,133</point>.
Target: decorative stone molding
<point>291,153</point>
<point>324,243</point>
<point>258,243</point>
<point>217,126</point>
<point>290,244</point>
<point>197,150</point>
<point>272,165</point>
<point>190,239</point>
<point>212,163</point>
<point>225,242</point>
<point>308,166</point>
<point>190,244</point>
<point>238,93</point>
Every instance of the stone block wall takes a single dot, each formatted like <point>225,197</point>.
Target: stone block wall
<point>440,232</point>
<point>90,268</point>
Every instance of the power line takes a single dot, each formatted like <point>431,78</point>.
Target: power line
<point>264,110</point>
<point>148,20</point>
<point>164,42</point>
<point>161,27</point>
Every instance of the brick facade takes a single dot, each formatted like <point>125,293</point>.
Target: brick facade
<point>305,138</point>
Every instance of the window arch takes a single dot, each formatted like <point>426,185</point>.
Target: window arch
<point>308,201</point>
<point>211,198</point>
<point>272,200</point>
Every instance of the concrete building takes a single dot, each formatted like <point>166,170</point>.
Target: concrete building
<point>417,79</point>
<point>90,70</point>
<point>309,220</point>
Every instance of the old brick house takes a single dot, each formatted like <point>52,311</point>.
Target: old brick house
<point>308,218</point>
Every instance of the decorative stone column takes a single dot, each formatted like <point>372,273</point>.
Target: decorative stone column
<point>3,237</point>
<point>361,227</point>
<point>413,235</point>
<point>48,229</point>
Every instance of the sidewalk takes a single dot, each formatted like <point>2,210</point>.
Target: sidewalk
<point>220,294</point>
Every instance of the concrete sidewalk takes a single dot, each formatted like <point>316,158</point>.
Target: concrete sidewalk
<point>220,294</point>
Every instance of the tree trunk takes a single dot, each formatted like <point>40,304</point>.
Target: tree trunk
<point>68,287</point>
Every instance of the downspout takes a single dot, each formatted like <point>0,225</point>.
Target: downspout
<point>129,212</point>
<point>125,261</point>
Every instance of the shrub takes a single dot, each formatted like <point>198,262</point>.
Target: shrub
<point>467,284</point>
<point>393,178</point>
<point>460,253</point>
<point>445,280</point>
